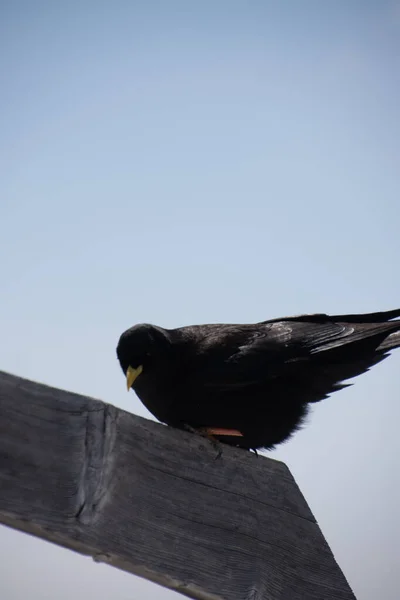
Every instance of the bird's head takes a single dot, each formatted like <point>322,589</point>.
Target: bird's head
<point>141,349</point>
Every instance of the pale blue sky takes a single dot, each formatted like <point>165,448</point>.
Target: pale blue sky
<point>187,162</point>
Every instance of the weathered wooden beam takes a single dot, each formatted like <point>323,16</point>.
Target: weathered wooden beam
<point>155,501</point>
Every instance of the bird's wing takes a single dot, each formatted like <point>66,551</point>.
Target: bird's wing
<point>313,355</point>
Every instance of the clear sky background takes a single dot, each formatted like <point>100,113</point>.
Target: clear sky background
<point>188,162</point>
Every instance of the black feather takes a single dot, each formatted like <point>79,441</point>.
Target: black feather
<point>258,379</point>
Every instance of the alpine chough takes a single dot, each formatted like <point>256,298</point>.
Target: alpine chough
<point>250,385</point>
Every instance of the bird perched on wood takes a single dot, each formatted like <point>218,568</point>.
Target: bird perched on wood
<point>251,385</point>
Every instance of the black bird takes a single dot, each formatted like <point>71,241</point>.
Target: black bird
<point>250,385</point>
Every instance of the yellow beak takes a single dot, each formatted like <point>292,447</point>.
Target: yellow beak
<point>131,376</point>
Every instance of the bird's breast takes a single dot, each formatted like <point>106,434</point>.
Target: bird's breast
<point>157,396</point>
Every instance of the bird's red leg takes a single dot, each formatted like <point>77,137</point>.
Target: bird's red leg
<point>221,431</point>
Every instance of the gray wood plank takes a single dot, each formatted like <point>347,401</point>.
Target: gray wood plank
<point>155,501</point>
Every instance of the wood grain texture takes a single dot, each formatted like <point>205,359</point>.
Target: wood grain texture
<point>155,501</point>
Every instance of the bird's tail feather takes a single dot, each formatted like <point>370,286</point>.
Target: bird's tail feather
<point>377,317</point>
<point>391,342</point>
